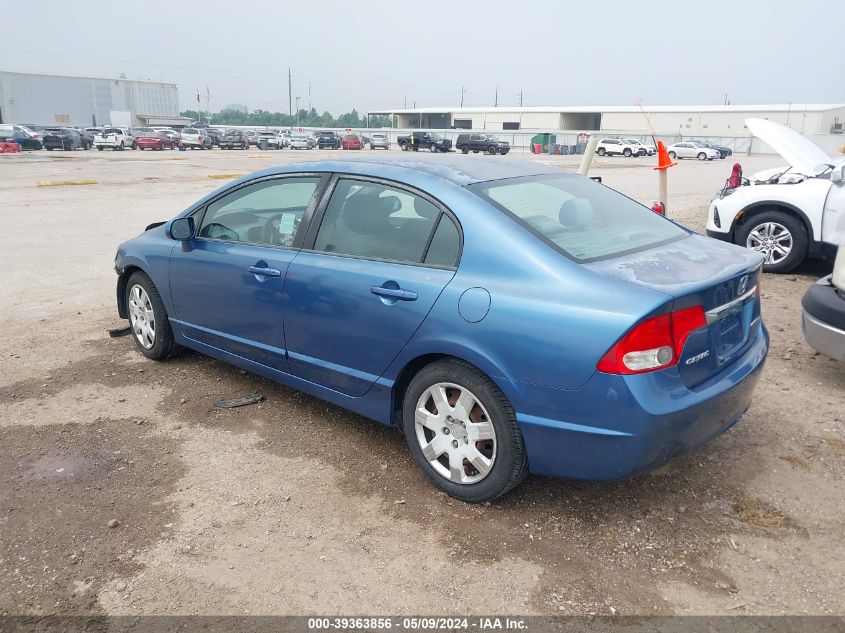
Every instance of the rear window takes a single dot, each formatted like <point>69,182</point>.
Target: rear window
<point>350,137</point>
<point>583,219</point>
<point>189,130</point>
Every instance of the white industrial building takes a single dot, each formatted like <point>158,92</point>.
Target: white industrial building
<point>669,121</point>
<point>71,100</point>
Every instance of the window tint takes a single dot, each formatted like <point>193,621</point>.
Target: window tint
<point>445,244</point>
<point>366,219</point>
<point>584,219</point>
<point>267,212</point>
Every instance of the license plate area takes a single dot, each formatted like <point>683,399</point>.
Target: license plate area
<point>730,332</point>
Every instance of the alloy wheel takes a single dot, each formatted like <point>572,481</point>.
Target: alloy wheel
<point>772,239</point>
<point>455,433</point>
<point>142,317</point>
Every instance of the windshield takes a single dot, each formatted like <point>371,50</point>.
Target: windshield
<point>585,220</point>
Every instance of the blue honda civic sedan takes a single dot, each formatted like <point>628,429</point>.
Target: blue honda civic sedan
<point>508,317</point>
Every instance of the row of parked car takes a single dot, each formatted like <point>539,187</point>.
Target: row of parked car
<point>702,150</point>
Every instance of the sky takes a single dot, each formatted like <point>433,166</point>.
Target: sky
<point>379,55</point>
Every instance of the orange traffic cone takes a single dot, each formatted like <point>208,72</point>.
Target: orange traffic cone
<point>663,160</point>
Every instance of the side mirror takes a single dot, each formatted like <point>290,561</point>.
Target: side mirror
<point>182,228</point>
<point>838,174</point>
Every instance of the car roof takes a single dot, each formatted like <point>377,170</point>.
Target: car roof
<point>459,169</point>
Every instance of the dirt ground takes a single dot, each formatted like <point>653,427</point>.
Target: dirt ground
<point>294,506</point>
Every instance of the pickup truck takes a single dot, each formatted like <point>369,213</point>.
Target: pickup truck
<point>427,140</point>
<point>117,138</point>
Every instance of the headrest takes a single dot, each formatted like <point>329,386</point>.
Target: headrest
<point>576,213</point>
<point>368,213</point>
<point>425,209</point>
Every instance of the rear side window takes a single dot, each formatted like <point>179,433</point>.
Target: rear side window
<point>445,245</point>
<point>377,221</point>
<point>585,220</point>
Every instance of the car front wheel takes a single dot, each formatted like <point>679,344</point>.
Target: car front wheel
<point>702,156</point>
<point>779,237</point>
<point>148,319</point>
<point>601,151</point>
<point>462,432</point>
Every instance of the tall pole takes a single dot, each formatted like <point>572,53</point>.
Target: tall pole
<point>290,101</point>
<point>496,98</point>
<point>463,92</point>
<point>297,111</point>
<point>309,96</point>
<point>520,98</point>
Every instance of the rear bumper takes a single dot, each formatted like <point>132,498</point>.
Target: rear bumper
<point>620,426</point>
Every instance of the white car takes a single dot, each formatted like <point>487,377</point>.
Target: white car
<point>690,149</point>
<point>274,141</point>
<point>645,148</point>
<point>823,307</point>
<point>612,146</point>
<point>117,138</point>
<point>299,141</point>
<point>195,137</point>
<point>787,214</point>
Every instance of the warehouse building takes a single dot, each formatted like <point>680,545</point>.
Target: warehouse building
<point>669,121</point>
<point>82,101</point>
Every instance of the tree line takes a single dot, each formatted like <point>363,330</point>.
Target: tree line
<point>305,118</point>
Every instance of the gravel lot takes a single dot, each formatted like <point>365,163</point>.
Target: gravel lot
<point>294,506</point>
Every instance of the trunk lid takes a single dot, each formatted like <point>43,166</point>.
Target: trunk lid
<point>697,270</point>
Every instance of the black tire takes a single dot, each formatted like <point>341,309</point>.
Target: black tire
<point>792,224</point>
<point>492,150</point>
<point>673,155</point>
<point>465,149</point>
<point>100,148</point>
<point>626,153</point>
<point>601,151</point>
<point>403,147</point>
<point>165,346</point>
<point>702,156</point>
<point>510,464</point>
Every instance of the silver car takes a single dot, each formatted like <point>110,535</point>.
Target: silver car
<point>300,141</point>
<point>379,141</point>
<point>690,149</point>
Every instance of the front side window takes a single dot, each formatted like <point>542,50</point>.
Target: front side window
<point>373,220</point>
<point>585,220</point>
<point>267,212</point>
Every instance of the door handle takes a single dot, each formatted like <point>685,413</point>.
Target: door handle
<point>394,293</point>
<point>263,270</point>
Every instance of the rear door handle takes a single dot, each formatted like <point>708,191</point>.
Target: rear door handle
<point>394,293</point>
<point>263,270</point>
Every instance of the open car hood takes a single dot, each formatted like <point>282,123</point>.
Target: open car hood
<point>801,153</point>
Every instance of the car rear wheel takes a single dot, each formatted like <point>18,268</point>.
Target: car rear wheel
<point>601,151</point>
<point>462,432</point>
<point>779,237</point>
<point>148,319</point>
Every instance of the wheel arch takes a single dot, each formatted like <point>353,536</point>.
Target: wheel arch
<point>414,365</point>
<point>756,208</point>
<point>122,280</point>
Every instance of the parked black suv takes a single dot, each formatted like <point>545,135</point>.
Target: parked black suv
<point>426,140</point>
<point>481,143</point>
<point>328,140</point>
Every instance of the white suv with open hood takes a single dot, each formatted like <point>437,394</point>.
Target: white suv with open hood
<point>789,213</point>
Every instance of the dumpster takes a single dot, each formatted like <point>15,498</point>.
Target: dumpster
<point>543,139</point>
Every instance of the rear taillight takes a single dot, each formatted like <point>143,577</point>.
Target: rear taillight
<point>658,208</point>
<point>654,344</point>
